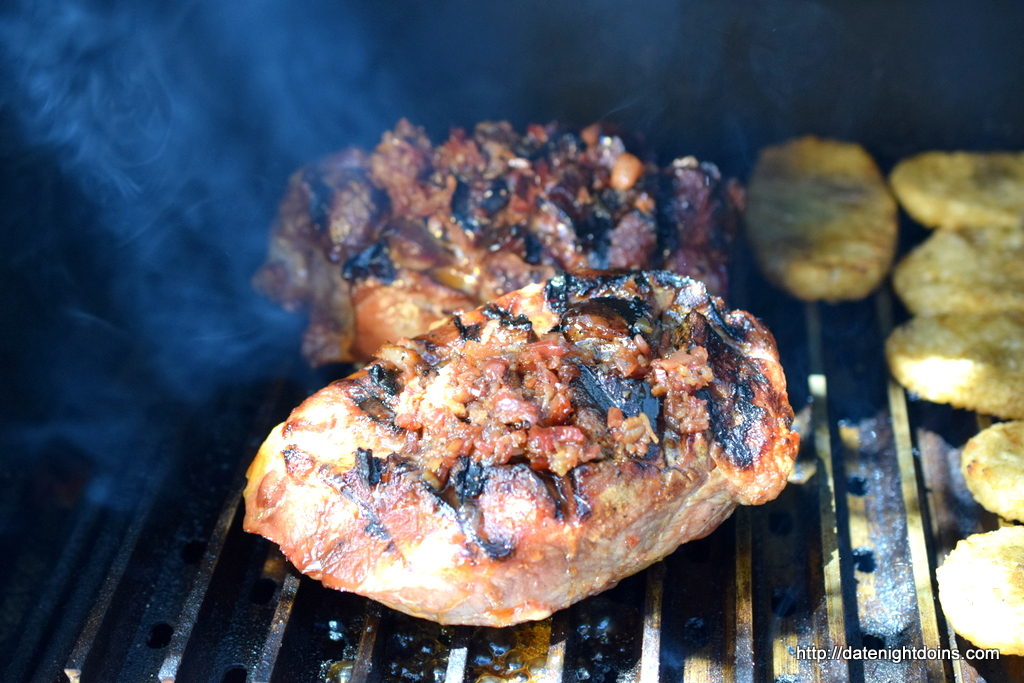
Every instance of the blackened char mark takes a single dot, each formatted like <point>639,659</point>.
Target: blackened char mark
<point>373,405</point>
<point>467,332</point>
<point>593,230</point>
<point>736,421</point>
<point>368,466</point>
<point>431,352</point>
<point>629,310</point>
<point>384,378</point>
<point>667,220</point>
<point>499,550</point>
<point>320,198</point>
<point>462,208</point>
<point>374,527</point>
<point>634,312</point>
<point>518,322</point>
<point>377,410</point>
<point>506,319</point>
<point>531,248</point>
<point>559,206</point>
<point>496,550</point>
<point>666,278</point>
<point>374,261</point>
<point>565,289</point>
<point>738,333</point>
<point>297,462</point>
<point>469,480</point>
<point>494,312</point>
<point>555,488</point>
<point>354,487</point>
<point>496,197</point>
<point>632,396</point>
<point>579,498</point>
<point>556,292</point>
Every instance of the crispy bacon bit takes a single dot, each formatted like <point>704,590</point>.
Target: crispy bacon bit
<point>626,171</point>
<point>635,435</point>
<point>546,438</point>
<point>407,421</point>
<point>511,409</point>
<point>615,417</point>
<point>549,349</point>
<point>682,370</point>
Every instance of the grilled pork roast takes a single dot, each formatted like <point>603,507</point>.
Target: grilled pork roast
<point>530,452</point>
<point>380,246</point>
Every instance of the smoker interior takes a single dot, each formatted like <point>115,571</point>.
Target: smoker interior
<point>128,427</point>
<point>171,588</point>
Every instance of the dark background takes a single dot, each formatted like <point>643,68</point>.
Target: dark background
<point>144,146</point>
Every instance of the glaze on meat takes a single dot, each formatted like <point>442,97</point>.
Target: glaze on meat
<point>380,246</point>
<point>530,452</point>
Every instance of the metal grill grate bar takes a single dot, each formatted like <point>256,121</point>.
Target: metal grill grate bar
<point>60,576</point>
<point>458,655</point>
<point>650,646</point>
<point>916,533</point>
<point>190,610</point>
<point>945,526</point>
<point>554,670</point>
<point>75,664</point>
<point>366,664</point>
<point>289,587</point>
<point>915,527</point>
<point>817,384</point>
<point>186,620</point>
<point>743,631</point>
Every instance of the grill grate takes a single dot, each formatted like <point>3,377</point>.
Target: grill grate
<point>817,384</point>
<point>194,601</point>
<point>845,556</point>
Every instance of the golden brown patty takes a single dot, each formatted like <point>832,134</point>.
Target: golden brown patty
<point>993,465</point>
<point>981,588</point>
<point>962,189</point>
<point>821,219</point>
<point>973,270</point>
<point>973,361</point>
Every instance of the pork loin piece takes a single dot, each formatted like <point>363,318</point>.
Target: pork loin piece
<point>531,452</point>
<point>380,246</point>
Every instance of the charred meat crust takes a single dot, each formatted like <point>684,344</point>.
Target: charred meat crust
<point>493,471</point>
<point>477,216</point>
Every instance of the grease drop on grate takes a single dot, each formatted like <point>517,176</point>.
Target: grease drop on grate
<point>864,560</point>
<point>857,485</point>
